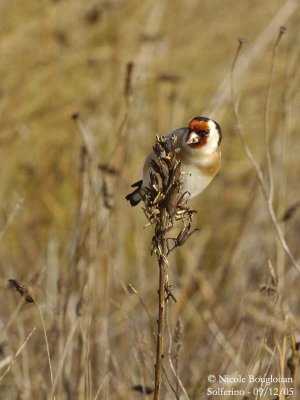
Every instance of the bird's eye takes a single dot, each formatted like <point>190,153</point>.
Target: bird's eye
<point>204,133</point>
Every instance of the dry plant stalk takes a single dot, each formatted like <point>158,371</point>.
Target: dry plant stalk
<point>178,342</point>
<point>29,298</point>
<point>266,191</point>
<point>164,205</point>
<point>11,363</point>
<point>293,359</point>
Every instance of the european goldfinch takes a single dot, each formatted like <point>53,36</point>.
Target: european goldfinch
<point>198,150</point>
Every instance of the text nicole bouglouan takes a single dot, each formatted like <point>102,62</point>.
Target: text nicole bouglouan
<point>242,385</point>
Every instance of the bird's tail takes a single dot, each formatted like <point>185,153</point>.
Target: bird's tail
<point>136,196</point>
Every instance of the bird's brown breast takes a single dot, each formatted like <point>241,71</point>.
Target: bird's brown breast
<point>213,167</point>
<point>208,165</point>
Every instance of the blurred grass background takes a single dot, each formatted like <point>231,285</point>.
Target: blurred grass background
<point>78,253</point>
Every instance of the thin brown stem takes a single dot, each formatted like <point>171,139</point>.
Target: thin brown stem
<point>267,114</point>
<point>17,354</point>
<point>47,349</point>
<point>151,322</point>
<point>257,168</point>
<point>174,368</point>
<point>163,278</point>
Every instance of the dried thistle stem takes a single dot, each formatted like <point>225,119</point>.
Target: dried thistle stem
<point>163,282</point>
<point>164,204</point>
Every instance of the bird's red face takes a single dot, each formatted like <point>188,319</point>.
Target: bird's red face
<point>203,132</point>
<point>198,133</point>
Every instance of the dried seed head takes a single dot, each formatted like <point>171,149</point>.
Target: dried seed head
<point>282,30</point>
<point>290,212</point>
<point>164,201</point>
<point>79,306</point>
<point>107,196</point>
<point>178,331</point>
<point>22,290</point>
<point>75,116</point>
<point>107,169</point>
<point>128,79</point>
<point>142,389</point>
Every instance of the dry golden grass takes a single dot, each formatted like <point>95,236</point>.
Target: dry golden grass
<point>77,256</point>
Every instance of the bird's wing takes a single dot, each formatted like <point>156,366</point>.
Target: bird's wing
<point>137,184</point>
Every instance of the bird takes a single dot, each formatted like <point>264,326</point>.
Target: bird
<point>198,150</point>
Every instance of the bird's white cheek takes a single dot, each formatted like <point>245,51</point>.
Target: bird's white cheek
<point>211,145</point>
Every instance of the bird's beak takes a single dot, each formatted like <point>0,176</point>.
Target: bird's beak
<point>193,138</point>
